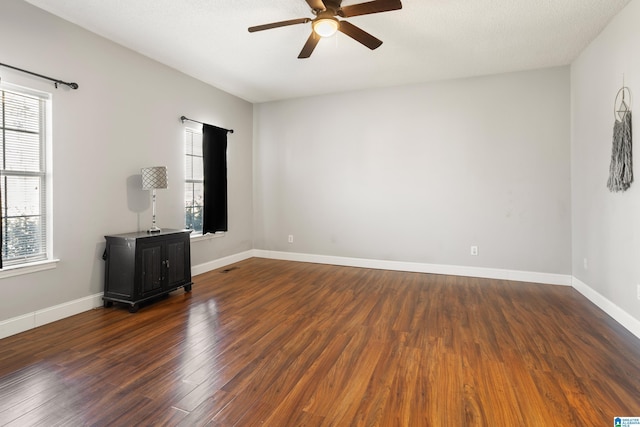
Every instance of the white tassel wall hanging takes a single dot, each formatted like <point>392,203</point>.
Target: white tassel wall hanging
<point>621,167</point>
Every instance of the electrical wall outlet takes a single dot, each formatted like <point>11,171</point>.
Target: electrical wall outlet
<point>585,264</point>
<point>474,250</point>
<point>290,238</point>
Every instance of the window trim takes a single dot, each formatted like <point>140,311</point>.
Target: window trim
<point>27,268</point>
<point>49,262</point>
<point>195,234</point>
<point>197,237</point>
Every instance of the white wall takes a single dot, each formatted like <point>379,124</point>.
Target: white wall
<point>606,226</point>
<point>420,173</point>
<point>124,116</point>
<point>416,173</point>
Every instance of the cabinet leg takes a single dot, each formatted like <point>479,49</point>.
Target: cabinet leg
<point>107,304</point>
<point>187,288</point>
<point>134,308</point>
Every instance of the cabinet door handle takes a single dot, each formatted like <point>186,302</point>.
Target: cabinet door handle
<point>167,263</point>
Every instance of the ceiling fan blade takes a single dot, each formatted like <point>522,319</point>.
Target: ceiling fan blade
<point>359,35</point>
<point>308,47</point>
<point>370,7</point>
<point>279,24</point>
<point>316,4</point>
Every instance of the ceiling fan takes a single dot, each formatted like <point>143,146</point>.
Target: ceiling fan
<point>326,22</point>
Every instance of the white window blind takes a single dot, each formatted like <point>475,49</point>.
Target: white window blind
<point>194,180</point>
<point>23,176</point>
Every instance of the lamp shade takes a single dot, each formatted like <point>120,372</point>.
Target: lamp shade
<point>325,27</point>
<point>154,177</point>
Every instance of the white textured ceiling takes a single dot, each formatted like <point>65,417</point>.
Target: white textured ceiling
<point>426,40</point>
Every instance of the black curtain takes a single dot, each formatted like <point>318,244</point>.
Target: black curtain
<point>214,153</point>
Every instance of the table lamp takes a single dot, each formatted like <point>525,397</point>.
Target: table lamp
<point>154,177</point>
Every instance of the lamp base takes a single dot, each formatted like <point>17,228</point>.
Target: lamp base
<point>154,229</point>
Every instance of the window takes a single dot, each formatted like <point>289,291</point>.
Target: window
<point>194,178</point>
<point>24,127</point>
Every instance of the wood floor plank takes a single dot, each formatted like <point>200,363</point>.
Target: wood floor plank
<point>277,343</point>
<point>346,381</point>
<point>303,391</point>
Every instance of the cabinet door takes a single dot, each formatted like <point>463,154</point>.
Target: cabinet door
<point>178,259</point>
<point>119,269</point>
<point>151,268</point>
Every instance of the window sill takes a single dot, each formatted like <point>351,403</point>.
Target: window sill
<point>33,267</point>
<point>208,236</point>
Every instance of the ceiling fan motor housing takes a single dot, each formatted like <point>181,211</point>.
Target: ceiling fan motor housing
<point>332,7</point>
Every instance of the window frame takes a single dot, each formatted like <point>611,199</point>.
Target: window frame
<point>189,134</point>
<point>196,234</point>
<point>31,264</point>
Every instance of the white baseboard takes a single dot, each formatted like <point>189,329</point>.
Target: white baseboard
<point>222,262</point>
<point>34,319</point>
<point>619,315</point>
<point>15,325</point>
<point>51,314</point>
<point>415,267</point>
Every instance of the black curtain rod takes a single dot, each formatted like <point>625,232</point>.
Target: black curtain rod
<point>183,118</point>
<point>55,81</point>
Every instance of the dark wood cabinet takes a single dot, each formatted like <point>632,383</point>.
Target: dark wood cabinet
<point>140,266</point>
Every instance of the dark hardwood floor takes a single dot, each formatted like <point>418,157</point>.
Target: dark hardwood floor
<point>276,343</point>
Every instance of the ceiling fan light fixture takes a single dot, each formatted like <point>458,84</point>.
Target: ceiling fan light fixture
<point>325,27</point>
